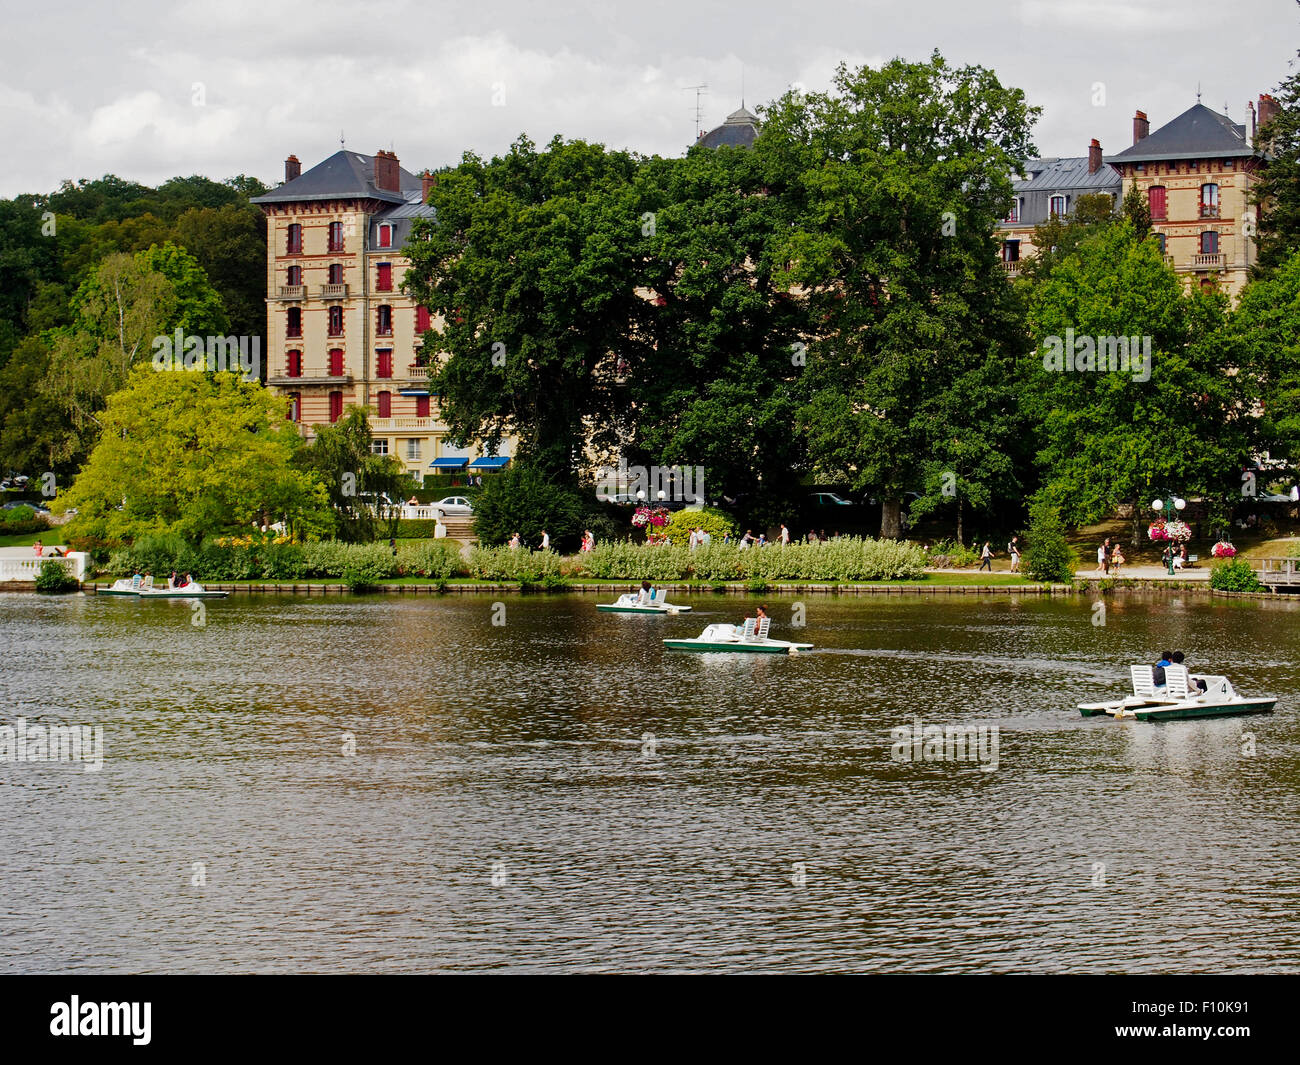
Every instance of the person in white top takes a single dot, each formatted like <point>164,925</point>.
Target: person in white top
<point>785,536</point>
<point>514,542</point>
<point>694,540</point>
<point>546,540</point>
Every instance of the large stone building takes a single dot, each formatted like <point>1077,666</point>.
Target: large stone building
<point>1197,173</point>
<point>340,330</point>
<point>1047,188</point>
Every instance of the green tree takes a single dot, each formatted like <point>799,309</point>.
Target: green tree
<point>1138,212</point>
<point>36,432</point>
<point>355,479</point>
<point>1112,437</point>
<point>194,454</point>
<point>229,242</point>
<point>1266,332</point>
<point>532,265</point>
<point>527,500</point>
<point>1047,556</point>
<point>1059,236</point>
<point>900,175</point>
<point>1277,193</point>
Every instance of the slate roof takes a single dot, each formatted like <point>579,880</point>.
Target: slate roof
<point>345,175</point>
<point>1043,175</point>
<point>740,130</point>
<point>1198,133</point>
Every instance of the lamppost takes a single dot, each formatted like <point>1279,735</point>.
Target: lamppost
<point>1165,506</point>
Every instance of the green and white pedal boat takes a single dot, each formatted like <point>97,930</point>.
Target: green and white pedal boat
<point>631,604</point>
<point>746,639</point>
<point>188,591</point>
<point>1181,698</point>
<point>126,586</point>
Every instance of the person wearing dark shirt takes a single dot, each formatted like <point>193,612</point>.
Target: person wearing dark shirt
<point>1166,659</point>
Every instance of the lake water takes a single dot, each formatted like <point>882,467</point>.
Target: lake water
<point>558,793</point>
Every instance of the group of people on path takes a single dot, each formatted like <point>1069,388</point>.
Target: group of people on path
<point>1013,551</point>
<point>516,542</point>
<point>1110,556</point>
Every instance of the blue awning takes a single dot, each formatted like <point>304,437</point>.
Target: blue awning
<point>412,391</point>
<point>489,462</point>
<point>449,463</point>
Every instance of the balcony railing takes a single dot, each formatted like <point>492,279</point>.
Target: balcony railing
<point>1209,210</point>
<point>293,292</point>
<point>1210,261</point>
<point>333,292</point>
<point>1012,267</point>
<point>310,380</point>
<point>404,422</point>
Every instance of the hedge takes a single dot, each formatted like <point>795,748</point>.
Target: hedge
<point>850,559</point>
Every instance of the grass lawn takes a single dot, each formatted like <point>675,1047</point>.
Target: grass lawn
<point>50,536</point>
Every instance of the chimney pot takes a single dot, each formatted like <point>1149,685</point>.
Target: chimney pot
<point>1094,156</point>
<point>388,174</point>
<point>427,181</point>
<point>1141,126</point>
<point>1268,109</point>
<point>292,168</point>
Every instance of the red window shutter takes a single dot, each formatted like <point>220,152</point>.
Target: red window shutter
<point>336,362</point>
<point>385,236</point>
<point>385,363</point>
<point>336,406</point>
<point>385,282</point>
<point>421,406</point>
<point>385,404</point>
<point>1156,200</point>
<point>421,319</point>
<point>295,364</point>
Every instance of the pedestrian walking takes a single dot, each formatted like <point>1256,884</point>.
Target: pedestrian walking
<point>986,558</point>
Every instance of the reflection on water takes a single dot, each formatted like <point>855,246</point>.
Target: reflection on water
<point>559,794</point>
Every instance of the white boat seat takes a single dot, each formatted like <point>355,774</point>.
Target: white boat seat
<point>763,625</point>
<point>147,586</point>
<point>747,633</point>
<point>1176,683</point>
<point>1144,683</point>
<point>135,583</point>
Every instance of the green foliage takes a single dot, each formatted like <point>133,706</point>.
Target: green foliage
<point>525,500</point>
<point>504,564</point>
<point>54,577</point>
<point>1138,212</point>
<point>193,454</point>
<point>848,559</point>
<point>717,523</point>
<point>949,554</point>
<point>1266,328</point>
<point>1047,555</point>
<point>1234,575</point>
<point>1277,189</point>
<point>416,528</point>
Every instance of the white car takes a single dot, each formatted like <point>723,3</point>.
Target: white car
<point>452,506</point>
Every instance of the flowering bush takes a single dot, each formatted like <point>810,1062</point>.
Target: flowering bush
<point>1178,531</point>
<point>1223,549</point>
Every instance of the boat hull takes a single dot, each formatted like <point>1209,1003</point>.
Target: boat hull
<point>117,591</point>
<point>180,593</point>
<point>1181,711</point>
<point>610,608</point>
<point>768,647</point>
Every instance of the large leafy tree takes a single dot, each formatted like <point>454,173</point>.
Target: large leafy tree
<point>194,454</point>
<point>1266,330</point>
<point>532,266</point>
<point>1111,438</point>
<point>1278,192</point>
<point>229,242</point>
<point>901,174</point>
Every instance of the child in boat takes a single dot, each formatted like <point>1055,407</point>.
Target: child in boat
<point>1193,682</point>
<point>647,594</point>
<point>1158,673</point>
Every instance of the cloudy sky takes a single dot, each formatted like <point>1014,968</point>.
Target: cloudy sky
<point>148,90</point>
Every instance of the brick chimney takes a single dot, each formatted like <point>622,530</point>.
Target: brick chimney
<point>1141,127</point>
<point>427,181</point>
<point>292,169</point>
<point>1268,108</point>
<point>1094,156</point>
<point>388,174</point>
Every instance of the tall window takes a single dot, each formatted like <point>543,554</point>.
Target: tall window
<point>336,406</point>
<point>293,245</point>
<point>384,282</point>
<point>336,274</point>
<point>1209,242</point>
<point>1209,200</point>
<point>385,404</point>
<point>295,276</point>
<point>295,364</point>
<point>384,362</point>
<point>384,320</point>
<point>421,319</point>
<point>385,235</point>
<point>1014,214</point>
<point>336,362</point>
<point>295,406</point>
<point>1057,205</point>
<point>413,448</point>
<point>1156,202</point>
<point>1011,251</point>
<point>336,236</point>
<point>293,323</point>
<point>336,321</point>
<point>1161,240</point>
<point>421,406</point>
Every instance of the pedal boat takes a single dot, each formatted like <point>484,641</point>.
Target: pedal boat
<point>125,586</point>
<point>749,639</point>
<point>193,590</point>
<point>631,604</point>
<point>1181,698</point>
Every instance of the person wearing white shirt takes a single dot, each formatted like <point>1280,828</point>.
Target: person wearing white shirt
<point>546,540</point>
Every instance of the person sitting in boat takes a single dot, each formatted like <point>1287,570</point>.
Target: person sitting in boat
<point>171,581</point>
<point>1158,673</point>
<point>647,594</point>
<point>186,582</point>
<point>1178,659</point>
<point>760,613</point>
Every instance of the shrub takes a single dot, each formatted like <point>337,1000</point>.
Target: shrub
<point>524,500</point>
<point>417,528</point>
<point>717,523</point>
<point>503,564</point>
<point>439,559</point>
<point>18,514</point>
<point>1047,555</point>
<point>54,577</point>
<point>949,554</point>
<point>1234,575</point>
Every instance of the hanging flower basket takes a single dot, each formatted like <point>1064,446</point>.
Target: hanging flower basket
<point>1223,549</point>
<point>1178,531</point>
<point>652,520</point>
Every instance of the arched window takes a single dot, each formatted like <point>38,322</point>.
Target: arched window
<point>336,274</point>
<point>385,404</point>
<point>295,364</point>
<point>336,236</point>
<point>1209,242</point>
<point>336,406</point>
<point>385,235</point>
<point>295,406</point>
<point>1157,203</point>
<point>384,320</point>
<point>336,321</point>
<point>293,323</point>
<point>293,246</point>
<point>336,362</point>
<point>384,362</point>
<point>295,276</point>
<point>1209,200</point>
<point>384,278</point>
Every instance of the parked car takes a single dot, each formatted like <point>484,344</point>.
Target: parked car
<point>828,499</point>
<point>452,506</point>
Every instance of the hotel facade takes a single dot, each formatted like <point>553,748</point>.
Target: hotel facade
<point>340,330</point>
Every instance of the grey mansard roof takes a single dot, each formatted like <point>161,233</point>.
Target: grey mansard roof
<point>1198,133</point>
<point>1049,175</point>
<point>740,130</point>
<point>345,175</point>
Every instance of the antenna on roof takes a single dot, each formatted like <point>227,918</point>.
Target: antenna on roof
<point>742,85</point>
<point>1198,92</point>
<point>699,109</point>
<point>341,144</point>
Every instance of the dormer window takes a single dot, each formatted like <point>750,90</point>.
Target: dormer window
<point>385,235</point>
<point>1058,206</point>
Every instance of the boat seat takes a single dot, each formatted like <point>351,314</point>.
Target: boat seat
<point>1144,683</point>
<point>763,625</point>
<point>1176,683</point>
<point>747,633</point>
<point>147,586</point>
<point>135,583</point>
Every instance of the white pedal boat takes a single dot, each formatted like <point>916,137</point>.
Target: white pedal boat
<point>1180,698</point>
<point>631,604</point>
<point>750,638</point>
